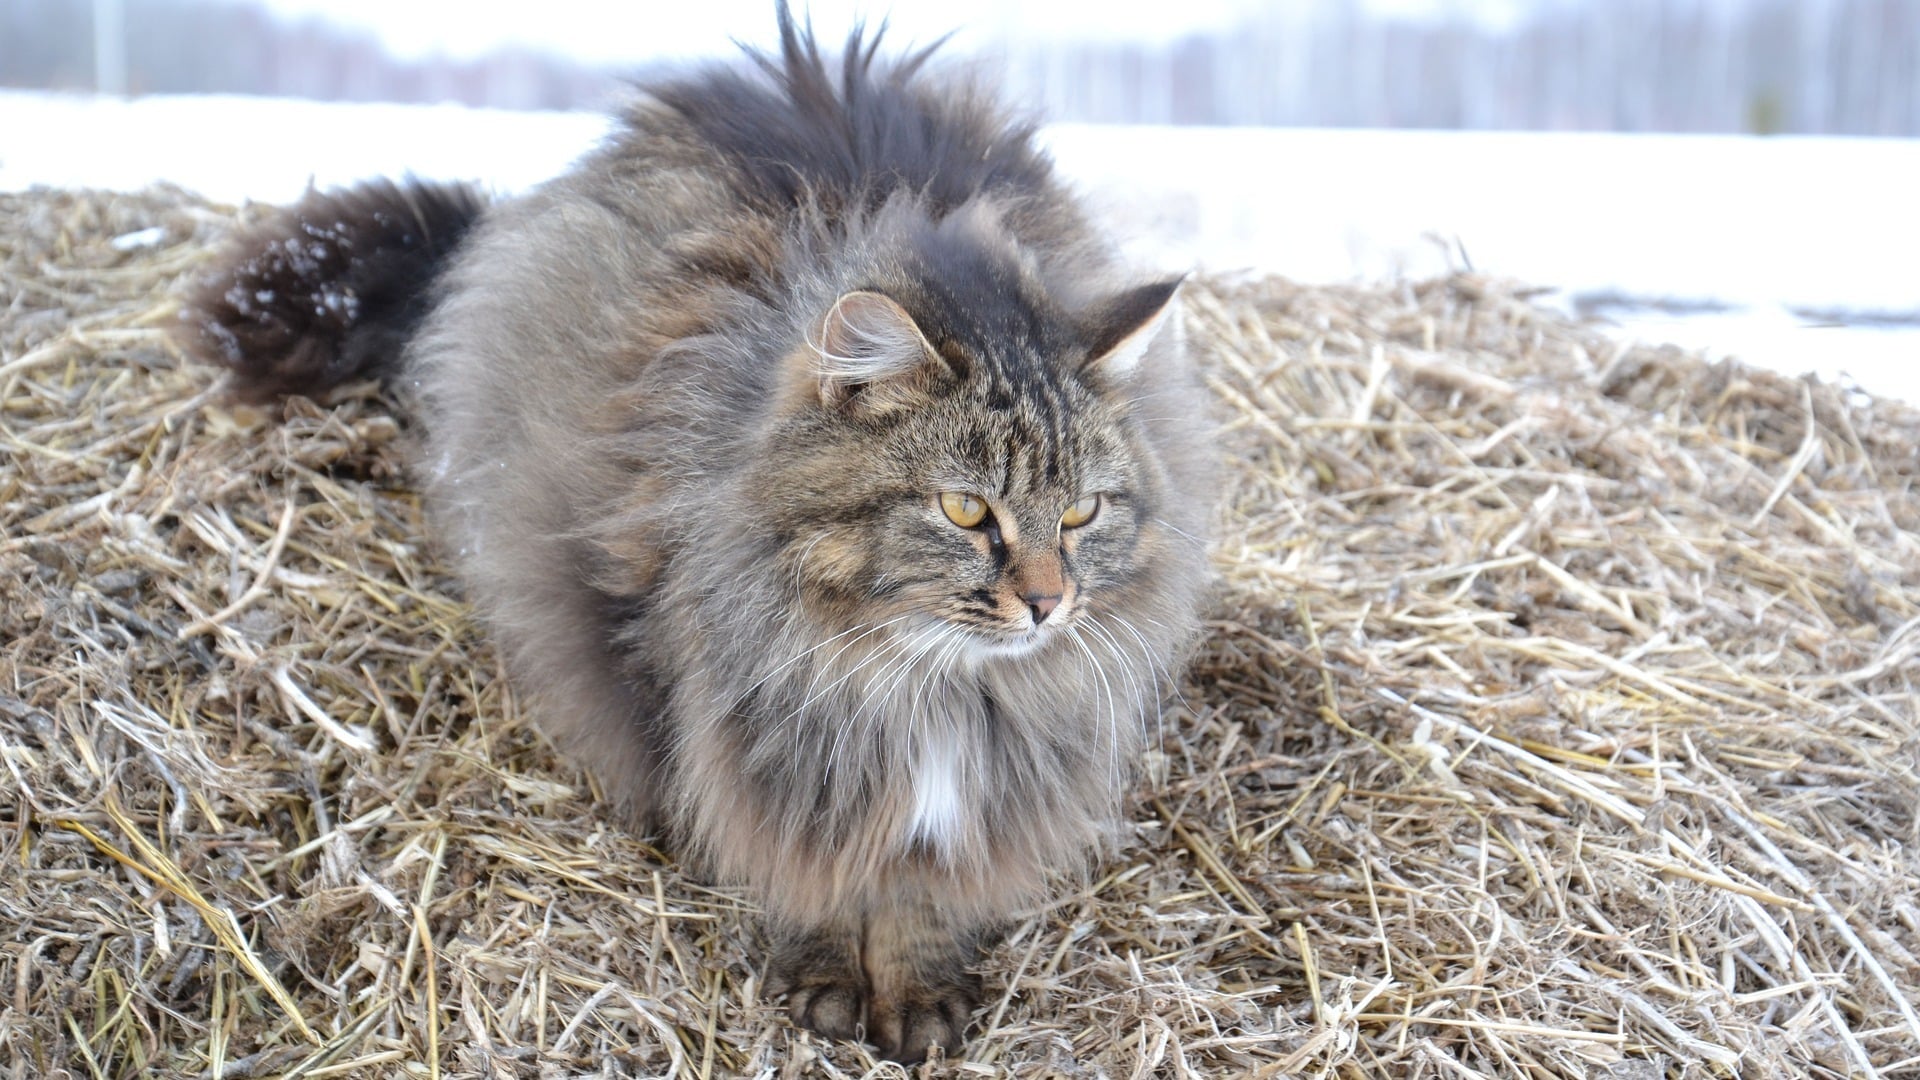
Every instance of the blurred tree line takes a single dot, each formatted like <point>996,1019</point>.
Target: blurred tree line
<point>1764,66</point>
<point>201,47</point>
<point>1805,66</point>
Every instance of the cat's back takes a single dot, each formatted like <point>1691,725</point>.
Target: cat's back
<point>717,189</point>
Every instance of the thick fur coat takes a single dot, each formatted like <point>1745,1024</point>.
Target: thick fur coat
<point>698,414</point>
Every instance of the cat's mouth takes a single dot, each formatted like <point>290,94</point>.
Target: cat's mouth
<point>1008,646</point>
<point>1015,643</point>
<point>980,641</point>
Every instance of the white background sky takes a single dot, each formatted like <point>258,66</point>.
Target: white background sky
<point>606,31</point>
<point>599,31</point>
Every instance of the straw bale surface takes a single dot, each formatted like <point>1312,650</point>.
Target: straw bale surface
<point>1557,718</point>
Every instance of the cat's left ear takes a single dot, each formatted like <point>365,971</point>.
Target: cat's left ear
<point>870,354</point>
<point>1120,330</point>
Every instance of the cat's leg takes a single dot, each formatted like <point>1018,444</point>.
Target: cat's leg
<point>923,991</point>
<point>818,969</point>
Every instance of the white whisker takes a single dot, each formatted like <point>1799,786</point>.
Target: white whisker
<point>828,666</point>
<point>1139,690</point>
<point>800,564</point>
<point>876,690</point>
<point>1113,721</point>
<point>1197,542</point>
<point>1167,679</point>
<point>868,628</point>
<point>886,648</point>
<point>895,650</point>
<point>1147,686</point>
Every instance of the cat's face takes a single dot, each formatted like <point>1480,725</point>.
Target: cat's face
<point>1016,519</point>
<point>988,503</point>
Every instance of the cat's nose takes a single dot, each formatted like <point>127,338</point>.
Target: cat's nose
<point>1041,606</point>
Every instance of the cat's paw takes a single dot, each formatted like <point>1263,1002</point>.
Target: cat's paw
<point>825,991</point>
<point>832,1008</point>
<point>906,1026</point>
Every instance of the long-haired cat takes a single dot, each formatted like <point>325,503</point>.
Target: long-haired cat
<point>817,469</point>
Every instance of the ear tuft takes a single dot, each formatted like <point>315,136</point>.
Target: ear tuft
<point>1120,330</point>
<point>868,342</point>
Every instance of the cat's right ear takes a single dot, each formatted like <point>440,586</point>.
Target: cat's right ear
<point>1121,330</point>
<point>869,355</point>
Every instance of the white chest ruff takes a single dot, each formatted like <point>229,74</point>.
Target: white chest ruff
<point>939,806</point>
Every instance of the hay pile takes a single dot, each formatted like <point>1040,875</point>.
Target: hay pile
<point>1558,718</point>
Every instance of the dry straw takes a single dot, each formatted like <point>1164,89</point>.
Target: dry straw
<point>1557,718</point>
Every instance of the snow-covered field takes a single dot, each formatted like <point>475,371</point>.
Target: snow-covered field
<point>269,149</point>
<point>1763,227</point>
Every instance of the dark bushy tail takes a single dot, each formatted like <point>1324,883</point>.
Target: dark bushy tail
<point>328,289</point>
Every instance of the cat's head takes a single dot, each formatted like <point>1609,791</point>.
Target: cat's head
<point>960,457</point>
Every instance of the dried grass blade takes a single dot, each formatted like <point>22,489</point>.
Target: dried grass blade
<point>158,868</point>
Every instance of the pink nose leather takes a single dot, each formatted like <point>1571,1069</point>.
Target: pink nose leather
<point>1041,606</point>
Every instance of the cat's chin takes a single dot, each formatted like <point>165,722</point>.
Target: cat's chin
<point>985,648</point>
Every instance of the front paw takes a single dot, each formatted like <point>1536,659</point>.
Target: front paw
<point>832,1008</point>
<point>825,990</point>
<point>908,1024</point>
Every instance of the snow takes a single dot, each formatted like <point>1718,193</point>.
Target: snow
<point>596,31</point>
<point>1759,226</point>
<point>139,238</point>
<point>1819,222</point>
<point>1882,359</point>
<point>269,149</point>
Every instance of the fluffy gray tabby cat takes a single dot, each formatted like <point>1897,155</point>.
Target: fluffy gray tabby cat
<point>816,468</point>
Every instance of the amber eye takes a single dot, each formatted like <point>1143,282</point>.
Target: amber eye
<point>962,509</point>
<point>1081,512</point>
